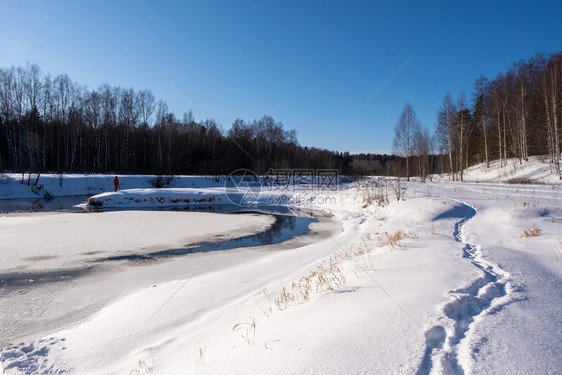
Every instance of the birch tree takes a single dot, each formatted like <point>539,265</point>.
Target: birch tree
<point>551,81</point>
<point>404,131</point>
<point>422,150</point>
<point>445,129</point>
<point>481,113</point>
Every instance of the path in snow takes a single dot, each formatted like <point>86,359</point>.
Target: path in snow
<point>446,351</point>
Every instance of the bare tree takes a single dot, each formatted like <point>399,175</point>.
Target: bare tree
<point>404,131</point>
<point>59,125</point>
<point>481,113</point>
<point>521,104</point>
<point>421,147</point>
<point>445,128</point>
<point>94,119</point>
<point>552,95</point>
<point>145,104</point>
<point>462,133</point>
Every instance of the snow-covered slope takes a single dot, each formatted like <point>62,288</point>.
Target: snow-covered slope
<point>456,278</point>
<point>537,169</point>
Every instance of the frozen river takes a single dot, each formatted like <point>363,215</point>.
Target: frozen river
<point>54,252</point>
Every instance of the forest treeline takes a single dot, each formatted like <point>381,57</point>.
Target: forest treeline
<point>57,125</point>
<point>515,115</point>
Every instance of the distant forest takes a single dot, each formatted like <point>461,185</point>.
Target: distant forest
<point>57,125</point>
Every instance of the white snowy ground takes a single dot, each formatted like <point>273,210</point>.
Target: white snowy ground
<point>537,168</point>
<point>463,292</point>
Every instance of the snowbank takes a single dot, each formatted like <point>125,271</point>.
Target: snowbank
<point>12,186</point>
<point>537,169</point>
<point>160,197</point>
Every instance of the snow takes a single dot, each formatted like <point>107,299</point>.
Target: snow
<point>464,291</point>
<point>536,169</point>
<point>32,241</point>
<point>13,186</point>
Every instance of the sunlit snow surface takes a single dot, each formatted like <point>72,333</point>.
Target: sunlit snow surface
<point>466,292</point>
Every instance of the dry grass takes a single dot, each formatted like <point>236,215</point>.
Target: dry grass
<point>399,190</point>
<point>432,229</point>
<point>143,367</point>
<point>524,204</point>
<point>362,253</point>
<point>531,232</point>
<point>392,239</point>
<point>248,331</point>
<point>201,359</point>
<point>326,277</point>
<point>375,193</point>
<point>365,247</point>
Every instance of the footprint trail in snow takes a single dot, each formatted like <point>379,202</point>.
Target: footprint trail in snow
<point>448,349</point>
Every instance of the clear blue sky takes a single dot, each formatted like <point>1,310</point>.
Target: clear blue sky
<point>310,65</point>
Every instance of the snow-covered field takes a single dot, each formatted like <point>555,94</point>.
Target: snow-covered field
<point>454,278</point>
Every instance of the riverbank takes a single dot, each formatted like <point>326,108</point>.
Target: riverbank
<point>18,186</point>
<point>450,277</point>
